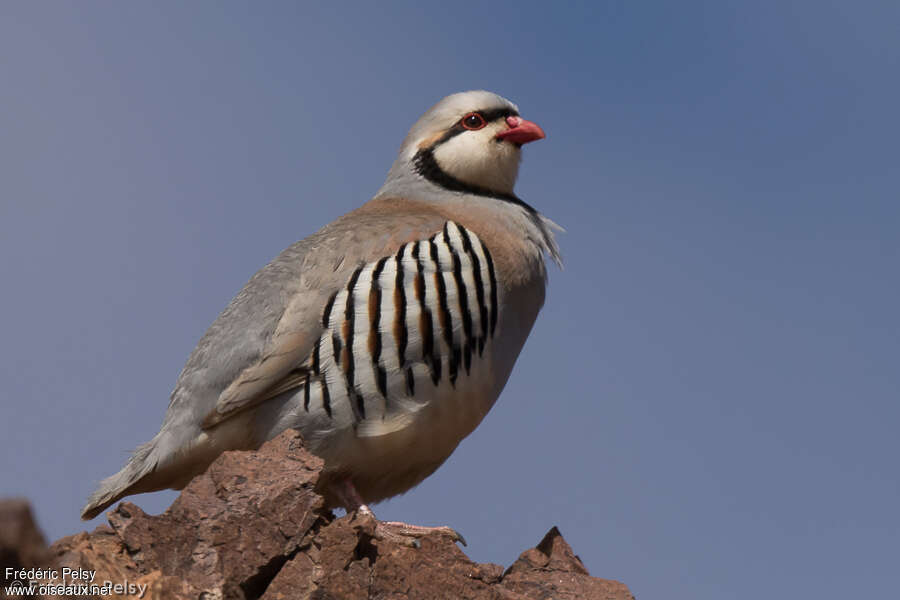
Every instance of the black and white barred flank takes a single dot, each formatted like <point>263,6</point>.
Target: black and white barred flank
<point>403,324</point>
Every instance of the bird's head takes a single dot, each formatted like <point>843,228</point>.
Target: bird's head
<point>470,141</point>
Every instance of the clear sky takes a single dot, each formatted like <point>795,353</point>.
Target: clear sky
<point>708,404</point>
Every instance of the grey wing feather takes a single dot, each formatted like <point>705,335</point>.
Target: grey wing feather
<point>258,339</point>
<point>255,346</point>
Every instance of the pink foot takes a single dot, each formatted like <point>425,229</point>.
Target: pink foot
<point>397,531</point>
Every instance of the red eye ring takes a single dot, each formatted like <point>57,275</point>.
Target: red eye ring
<point>473,121</point>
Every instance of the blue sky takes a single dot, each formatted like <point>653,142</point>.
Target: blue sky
<point>708,404</point>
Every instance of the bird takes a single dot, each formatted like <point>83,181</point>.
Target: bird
<point>385,337</point>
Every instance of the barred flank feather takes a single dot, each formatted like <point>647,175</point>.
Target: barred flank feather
<point>432,304</point>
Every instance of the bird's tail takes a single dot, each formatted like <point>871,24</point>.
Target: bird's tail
<point>123,483</point>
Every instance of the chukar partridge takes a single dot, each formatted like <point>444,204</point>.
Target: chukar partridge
<point>386,336</point>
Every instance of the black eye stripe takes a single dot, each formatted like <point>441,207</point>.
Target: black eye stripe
<point>489,117</point>
<point>498,113</point>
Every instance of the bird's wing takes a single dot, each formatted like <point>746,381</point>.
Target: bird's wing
<point>256,349</point>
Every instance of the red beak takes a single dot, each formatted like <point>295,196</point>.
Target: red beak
<point>521,131</point>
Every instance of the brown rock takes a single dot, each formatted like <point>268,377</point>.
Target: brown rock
<point>346,561</point>
<point>552,571</point>
<point>227,534</point>
<point>22,544</point>
<point>253,527</point>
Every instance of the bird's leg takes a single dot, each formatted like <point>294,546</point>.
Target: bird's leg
<point>402,533</point>
<point>348,496</point>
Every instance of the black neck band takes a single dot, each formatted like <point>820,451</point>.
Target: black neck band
<point>426,166</point>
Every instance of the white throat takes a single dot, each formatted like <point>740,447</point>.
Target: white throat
<point>479,159</point>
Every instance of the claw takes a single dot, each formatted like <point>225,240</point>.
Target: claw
<point>402,533</point>
<point>418,531</point>
<point>460,538</point>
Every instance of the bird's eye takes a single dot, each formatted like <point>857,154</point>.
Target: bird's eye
<point>473,121</point>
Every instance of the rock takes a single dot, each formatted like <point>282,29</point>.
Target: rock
<point>253,527</point>
<point>22,544</point>
<point>552,571</point>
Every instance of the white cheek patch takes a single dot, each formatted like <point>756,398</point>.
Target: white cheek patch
<point>478,158</point>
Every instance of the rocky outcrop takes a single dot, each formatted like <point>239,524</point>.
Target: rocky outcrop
<point>22,544</point>
<point>253,527</point>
